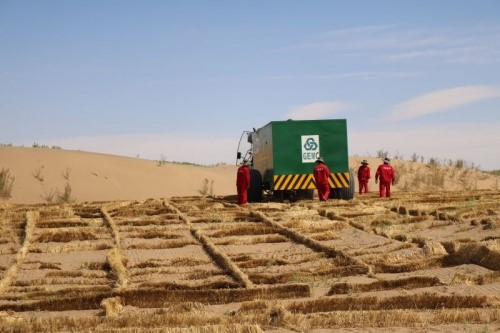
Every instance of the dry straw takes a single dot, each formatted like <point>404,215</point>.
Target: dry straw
<point>66,235</point>
<point>485,254</point>
<point>73,246</point>
<point>411,282</point>
<point>409,266</point>
<point>415,301</point>
<point>219,257</point>
<point>112,306</point>
<point>311,243</point>
<point>118,270</point>
<point>161,296</point>
<point>31,219</point>
<point>115,257</point>
<point>112,225</point>
<point>232,328</point>
<point>402,318</point>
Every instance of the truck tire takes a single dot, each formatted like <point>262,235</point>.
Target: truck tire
<point>305,194</point>
<point>255,190</point>
<point>347,193</point>
<point>293,196</point>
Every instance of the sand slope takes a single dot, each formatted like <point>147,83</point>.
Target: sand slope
<point>40,173</point>
<point>94,177</point>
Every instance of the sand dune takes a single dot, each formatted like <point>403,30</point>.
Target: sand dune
<point>95,177</point>
<point>41,173</point>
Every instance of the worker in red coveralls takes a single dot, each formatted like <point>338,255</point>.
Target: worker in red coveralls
<point>387,177</point>
<point>363,176</point>
<point>243,182</point>
<point>321,174</point>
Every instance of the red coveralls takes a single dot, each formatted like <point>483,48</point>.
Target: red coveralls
<point>387,176</point>
<point>242,183</point>
<point>321,174</point>
<point>363,176</point>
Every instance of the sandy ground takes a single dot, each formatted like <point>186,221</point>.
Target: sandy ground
<point>95,177</point>
<point>41,173</point>
<point>419,263</point>
<point>424,245</point>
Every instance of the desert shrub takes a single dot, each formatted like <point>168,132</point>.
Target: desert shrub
<point>66,173</point>
<point>459,163</point>
<point>65,196</point>
<point>406,186</point>
<point>398,156</point>
<point>382,153</point>
<point>494,172</point>
<point>38,173</point>
<point>207,188</point>
<point>162,161</point>
<point>400,170</point>
<point>6,184</point>
<point>433,162</point>
<point>36,145</point>
<point>436,178</point>
<point>48,196</point>
<point>496,185</point>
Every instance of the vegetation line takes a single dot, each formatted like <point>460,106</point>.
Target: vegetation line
<point>31,218</point>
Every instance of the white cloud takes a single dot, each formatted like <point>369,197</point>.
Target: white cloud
<point>473,44</point>
<point>442,100</point>
<point>435,53</point>
<point>367,75</point>
<point>316,110</point>
<point>362,30</point>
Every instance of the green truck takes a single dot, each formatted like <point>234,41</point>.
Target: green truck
<point>282,157</point>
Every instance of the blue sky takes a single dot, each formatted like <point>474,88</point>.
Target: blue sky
<point>181,80</point>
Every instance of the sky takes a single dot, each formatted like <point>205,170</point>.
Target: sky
<point>181,80</point>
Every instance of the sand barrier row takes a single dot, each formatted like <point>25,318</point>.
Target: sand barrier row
<point>221,259</point>
<point>411,282</point>
<point>411,301</point>
<point>32,218</point>
<point>312,243</point>
<point>115,256</point>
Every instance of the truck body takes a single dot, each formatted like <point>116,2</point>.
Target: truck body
<point>283,156</point>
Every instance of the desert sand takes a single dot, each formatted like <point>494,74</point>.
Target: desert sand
<point>40,173</point>
<point>139,249</point>
<point>95,177</point>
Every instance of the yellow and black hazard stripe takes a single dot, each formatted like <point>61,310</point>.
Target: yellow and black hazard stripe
<point>306,181</point>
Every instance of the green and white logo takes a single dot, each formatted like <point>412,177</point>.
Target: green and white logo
<point>310,148</point>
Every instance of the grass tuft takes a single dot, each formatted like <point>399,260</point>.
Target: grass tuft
<point>6,183</point>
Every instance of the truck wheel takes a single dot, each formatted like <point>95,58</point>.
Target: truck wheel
<point>255,190</point>
<point>305,194</point>
<point>278,196</point>
<point>347,193</point>
<point>335,193</point>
